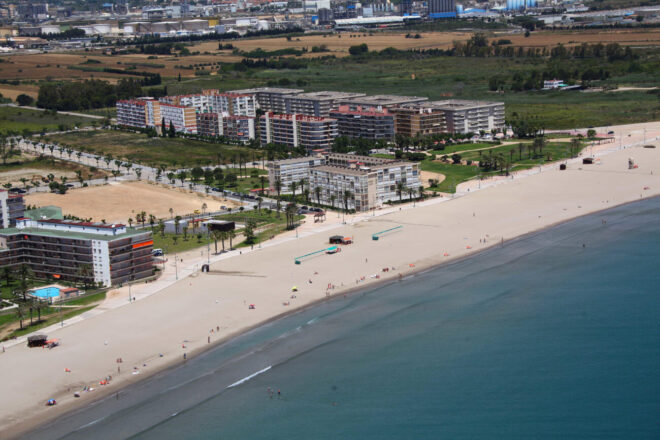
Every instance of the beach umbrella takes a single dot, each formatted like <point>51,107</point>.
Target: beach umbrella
<point>294,289</point>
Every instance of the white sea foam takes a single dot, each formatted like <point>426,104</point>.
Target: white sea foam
<point>245,379</point>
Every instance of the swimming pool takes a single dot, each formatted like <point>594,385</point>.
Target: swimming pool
<point>46,292</point>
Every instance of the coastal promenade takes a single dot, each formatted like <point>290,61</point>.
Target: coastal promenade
<point>158,329</point>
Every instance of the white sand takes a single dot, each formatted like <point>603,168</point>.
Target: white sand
<point>189,308</point>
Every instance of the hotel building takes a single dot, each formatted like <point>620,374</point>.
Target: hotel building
<point>78,251</point>
<point>310,132</point>
<point>364,123</point>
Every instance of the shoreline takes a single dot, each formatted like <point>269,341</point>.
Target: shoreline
<point>352,291</point>
<point>105,394</point>
<point>283,249</point>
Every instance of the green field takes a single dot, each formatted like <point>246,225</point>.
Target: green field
<point>181,243</point>
<point>26,121</point>
<point>454,174</point>
<point>139,148</point>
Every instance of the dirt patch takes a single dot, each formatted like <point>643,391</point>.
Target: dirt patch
<point>650,37</point>
<point>427,175</point>
<point>117,202</point>
<point>32,174</point>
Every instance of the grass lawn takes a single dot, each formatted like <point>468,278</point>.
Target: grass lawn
<point>451,149</point>
<point>21,120</point>
<point>138,147</point>
<point>169,245</point>
<point>267,221</point>
<point>553,151</point>
<point>454,174</point>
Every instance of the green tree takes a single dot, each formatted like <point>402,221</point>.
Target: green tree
<point>177,223</point>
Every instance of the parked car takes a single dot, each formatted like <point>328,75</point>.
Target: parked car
<point>157,252</point>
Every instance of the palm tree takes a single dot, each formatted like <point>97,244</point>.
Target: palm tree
<point>278,189</point>
<point>411,192</point>
<point>177,222</point>
<point>185,232</point>
<point>317,193</point>
<point>231,234</point>
<point>223,237</point>
<point>215,234</point>
<point>152,220</point>
<point>204,206</point>
<point>290,213</point>
<point>400,188</point>
<point>171,213</point>
<point>575,146</point>
<point>346,196</point>
<point>161,227</point>
<point>130,222</point>
<point>293,186</point>
<point>259,201</point>
<point>333,198</point>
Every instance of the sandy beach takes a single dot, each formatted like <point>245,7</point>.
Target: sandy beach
<point>197,311</point>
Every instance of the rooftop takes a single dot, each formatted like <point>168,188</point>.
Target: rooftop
<point>297,160</point>
<point>327,95</point>
<point>72,235</point>
<point>279,90</point>
<point>460,104</point>
<point>384,100</point>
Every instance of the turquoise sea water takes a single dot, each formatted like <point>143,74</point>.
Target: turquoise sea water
<point>556,335</point>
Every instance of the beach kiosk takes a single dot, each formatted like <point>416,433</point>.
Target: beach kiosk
<point>37,340</point>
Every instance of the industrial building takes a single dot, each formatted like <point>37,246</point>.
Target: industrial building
<point>367,123</point>
<point>11,208</point>
<point>416,120</point>
<point>442,8</point>
<point>310,132</point>
<point>78,251</point>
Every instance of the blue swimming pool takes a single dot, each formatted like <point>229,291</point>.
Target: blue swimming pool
<point>47,292</point>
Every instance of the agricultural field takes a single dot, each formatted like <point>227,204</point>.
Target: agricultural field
<point>139,148</point>
<point>22,120</point>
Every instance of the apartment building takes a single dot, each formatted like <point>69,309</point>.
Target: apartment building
<point>240,128</point>
<point>270,99</point>
<point>310,132</point>
<point>291,170</point>
<point>11,208</point>
<point>370,182</point>
<point>132,113</point>
<point>381,101</point>
<point>415,120</point>
<point>212,101</point>
<point>369,123</point>
<point>464,116</point>
<point>78,251</point>
<point>183,118</point>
